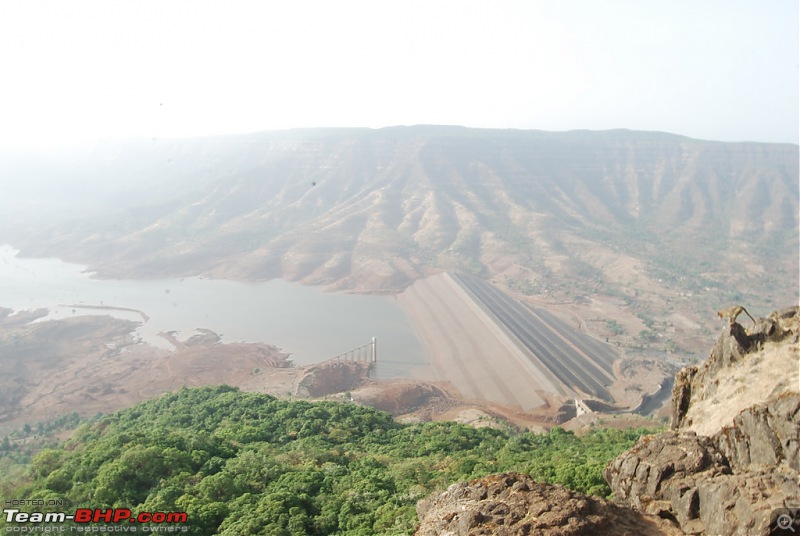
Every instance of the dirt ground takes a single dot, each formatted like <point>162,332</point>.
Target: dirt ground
<point>92,364</point>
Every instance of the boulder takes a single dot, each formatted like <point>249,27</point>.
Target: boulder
<point>514,504</point>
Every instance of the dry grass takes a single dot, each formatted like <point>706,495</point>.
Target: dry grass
<point>751,381</point>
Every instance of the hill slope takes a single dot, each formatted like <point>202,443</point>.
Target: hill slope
<point>643,217</point>
<point>246,463</point>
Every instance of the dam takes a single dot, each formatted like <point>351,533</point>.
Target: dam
<point>493,348</point>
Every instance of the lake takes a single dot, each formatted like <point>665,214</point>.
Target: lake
<point>308,322</point>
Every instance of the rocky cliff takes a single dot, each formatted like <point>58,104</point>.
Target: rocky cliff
<point>731,462</point>
<point>730,465</point>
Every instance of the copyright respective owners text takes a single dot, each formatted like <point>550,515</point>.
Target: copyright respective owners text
<point>785,521</point>
<point>45,516</point>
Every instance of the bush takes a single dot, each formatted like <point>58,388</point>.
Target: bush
<point>247,463</point>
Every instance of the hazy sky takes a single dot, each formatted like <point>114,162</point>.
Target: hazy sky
<point>81,69</point>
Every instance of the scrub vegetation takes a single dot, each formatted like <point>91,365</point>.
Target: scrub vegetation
<point>248,463</point>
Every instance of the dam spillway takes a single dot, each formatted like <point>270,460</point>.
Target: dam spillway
<point>494,348</point>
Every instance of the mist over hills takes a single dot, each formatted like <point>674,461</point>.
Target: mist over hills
<point>643,217</point>
<point>636,237</point>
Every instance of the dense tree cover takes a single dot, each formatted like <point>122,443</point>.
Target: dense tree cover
<point>247,463</point>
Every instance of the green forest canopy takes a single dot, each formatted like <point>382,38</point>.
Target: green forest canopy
<point>248,463</point>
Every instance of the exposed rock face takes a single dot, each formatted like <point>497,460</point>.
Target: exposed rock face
<point>733,478</point>
<point>699,383</point>
<point>746,463</point>
<point>512,503</point>
<point>400,397</point>
<point>766,434</point>
<point>330,377</point>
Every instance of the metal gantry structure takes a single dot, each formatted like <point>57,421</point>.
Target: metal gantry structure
<point>366,353</point>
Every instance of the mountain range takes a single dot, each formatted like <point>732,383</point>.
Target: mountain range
<point>640,219</point>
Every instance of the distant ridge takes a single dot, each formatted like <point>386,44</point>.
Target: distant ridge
<point>648,217</point>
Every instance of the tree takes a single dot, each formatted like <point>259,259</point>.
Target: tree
<point>247,463</point>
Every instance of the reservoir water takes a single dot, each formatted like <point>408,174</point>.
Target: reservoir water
<point>311,324</point>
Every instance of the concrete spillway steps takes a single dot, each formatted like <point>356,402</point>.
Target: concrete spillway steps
<point>580,362</point>
<point>494,348</point>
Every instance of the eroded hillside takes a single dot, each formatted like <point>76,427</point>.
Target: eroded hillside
<point>627,225</point>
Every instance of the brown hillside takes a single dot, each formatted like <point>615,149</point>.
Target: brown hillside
<point>626,225</point>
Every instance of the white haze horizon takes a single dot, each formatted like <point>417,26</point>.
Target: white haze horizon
<point>77,72</point>
<point>91,143</point>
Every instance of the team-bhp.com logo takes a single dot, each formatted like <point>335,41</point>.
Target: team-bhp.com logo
<point>145,521</point>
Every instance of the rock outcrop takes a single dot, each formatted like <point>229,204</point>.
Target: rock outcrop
<point>732,458</point>
<point>512,503</point>
<point>729,465</point>
<point>330,377</point>
<point>696,384</point>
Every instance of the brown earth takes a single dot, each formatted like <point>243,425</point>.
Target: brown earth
<point>617,233</point>
<point>512,504</point>
<point>650,230</point>
<point>93,364</point>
